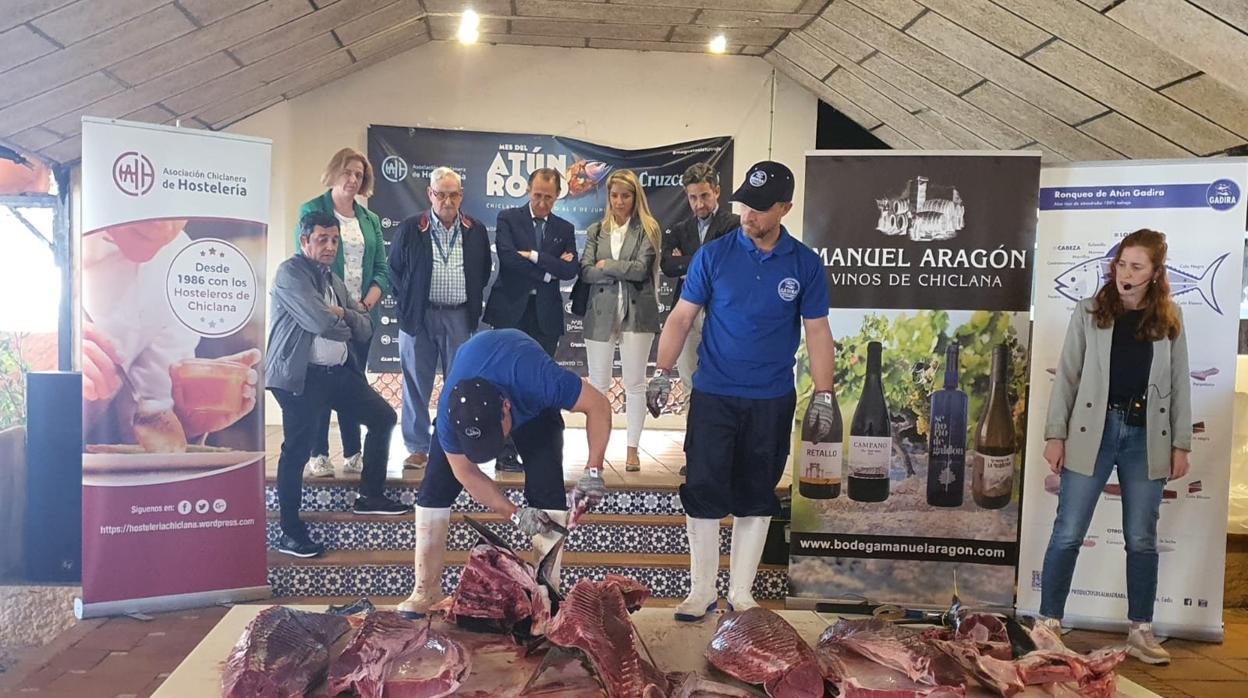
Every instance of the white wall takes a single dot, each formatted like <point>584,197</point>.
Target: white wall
<point>626,99</point>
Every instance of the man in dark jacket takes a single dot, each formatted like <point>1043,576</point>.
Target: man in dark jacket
<point>308,369</point>
<point>439,266</point>
<point>536,250</point>
<point>682,240</point>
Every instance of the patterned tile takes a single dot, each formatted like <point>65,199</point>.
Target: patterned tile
<point>337,497</point>
<point>396,580</point>
<point>586,538</point>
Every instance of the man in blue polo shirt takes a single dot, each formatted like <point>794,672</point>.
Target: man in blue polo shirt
<point>759,287</point>
<point>503,383</point>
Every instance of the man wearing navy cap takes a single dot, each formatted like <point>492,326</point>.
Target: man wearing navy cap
<point>759,287</point>
<point>503,383</point>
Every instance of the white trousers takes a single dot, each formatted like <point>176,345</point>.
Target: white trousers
<point>634,352</point>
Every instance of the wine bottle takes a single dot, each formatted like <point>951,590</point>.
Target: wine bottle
<point>870,437</point>
<point>821,462</point>
<point>946,443</point>
<point>992,475</point>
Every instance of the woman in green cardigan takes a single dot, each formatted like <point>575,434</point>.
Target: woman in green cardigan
<point>362,265</point>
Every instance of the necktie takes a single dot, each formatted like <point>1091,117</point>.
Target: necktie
<point>539,227</point>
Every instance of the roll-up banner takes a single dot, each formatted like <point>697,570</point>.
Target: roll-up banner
<point>928,257</point>
<point>1085,210</point>
<point>495,168</point>
<point>174,224</point>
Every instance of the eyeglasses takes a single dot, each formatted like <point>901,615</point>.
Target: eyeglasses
<point>446,195</point>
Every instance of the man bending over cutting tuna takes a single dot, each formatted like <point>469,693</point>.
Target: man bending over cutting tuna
<point>503,383</point>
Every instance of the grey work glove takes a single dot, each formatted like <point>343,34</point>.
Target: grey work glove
<point>531,522</point>
<point>590,488</point>
<point>818,419</point>
<point>658,391</point>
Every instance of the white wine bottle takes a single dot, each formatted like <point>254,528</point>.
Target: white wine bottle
<point>992,477</point>
<point>870,436</point>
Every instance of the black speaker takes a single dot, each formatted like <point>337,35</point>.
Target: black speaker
<point>53,536</point>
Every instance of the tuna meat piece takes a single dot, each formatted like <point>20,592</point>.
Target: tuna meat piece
<point>435,668</point>
<point>498,590</point>
<point>281,654</point>
<point>362,667</point>
<point>857,676</point>
<point>902,649</point>
<point>594,619</point>
<point>758,647</point>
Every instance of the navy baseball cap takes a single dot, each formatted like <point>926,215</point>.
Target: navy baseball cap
<point>766,184</point>
<point>476,414</point>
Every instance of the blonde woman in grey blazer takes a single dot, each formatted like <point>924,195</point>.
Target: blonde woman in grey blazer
<point>1121,399</point>
<point>619,264</point>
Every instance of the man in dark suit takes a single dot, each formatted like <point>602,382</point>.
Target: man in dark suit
<point>682,240</point>
<point>536,250</point>
<point>439,266</point>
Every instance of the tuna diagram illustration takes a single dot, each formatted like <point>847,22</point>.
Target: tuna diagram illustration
<point>1083,279</point>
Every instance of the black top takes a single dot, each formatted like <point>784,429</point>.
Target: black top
<point>1129,359</point>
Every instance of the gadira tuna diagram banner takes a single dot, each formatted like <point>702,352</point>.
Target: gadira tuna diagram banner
<point>928,259</point>
<point>174,224</point>
<point>1085,210</point>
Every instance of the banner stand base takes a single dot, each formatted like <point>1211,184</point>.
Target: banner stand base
<point>173,602</point>
<point>806,603</point>
<point>1200,633</point>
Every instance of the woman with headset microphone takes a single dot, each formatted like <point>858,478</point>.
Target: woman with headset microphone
<point>1121,398</point>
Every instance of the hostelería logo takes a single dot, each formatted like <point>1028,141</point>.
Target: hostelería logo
<point>394,168</point>
<point>133,173</point>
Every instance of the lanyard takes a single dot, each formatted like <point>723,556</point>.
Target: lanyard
<point>446,257</point>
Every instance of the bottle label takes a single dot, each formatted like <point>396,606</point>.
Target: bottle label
<point>869,455</point>
<point>821,463</point>
<point>998,473</point>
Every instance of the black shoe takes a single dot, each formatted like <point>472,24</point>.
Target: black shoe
<point>299,547</point>
<point>380,505</point>
<point>684,471</point>
<point>509,462</point>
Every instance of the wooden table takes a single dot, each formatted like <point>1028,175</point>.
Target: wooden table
<point>499,670</point>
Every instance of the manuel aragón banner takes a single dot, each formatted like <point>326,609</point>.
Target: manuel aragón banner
<point>1085,210</point>
<point>174,231</point>
<point>495,169</point>
<point>928,258</point>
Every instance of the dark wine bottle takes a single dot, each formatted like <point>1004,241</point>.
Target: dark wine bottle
<point>992,475</point>
<point>870,437</point>
<point>821,462</point>
<point>946,442</point>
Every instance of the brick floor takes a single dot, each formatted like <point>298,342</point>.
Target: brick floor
<point>126,658</point>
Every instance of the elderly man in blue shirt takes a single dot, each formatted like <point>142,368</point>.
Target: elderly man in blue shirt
<point>759,287</point>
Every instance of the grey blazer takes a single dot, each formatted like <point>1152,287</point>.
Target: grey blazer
<point>635,269</point>
<point>1081,395</point>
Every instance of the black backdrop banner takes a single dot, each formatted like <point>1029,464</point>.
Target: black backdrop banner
<point>495,168</point>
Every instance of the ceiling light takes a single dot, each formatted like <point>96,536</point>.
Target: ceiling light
<point>468,24</point>
<point>719,44</point>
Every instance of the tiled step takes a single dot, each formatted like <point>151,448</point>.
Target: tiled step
<point>385,602</point>
<point>336,494</point>
<point>597,533</point>
<point>389,573</point>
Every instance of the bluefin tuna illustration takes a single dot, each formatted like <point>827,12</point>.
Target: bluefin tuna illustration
<point>1205,374</point>
<point>1085,278</point>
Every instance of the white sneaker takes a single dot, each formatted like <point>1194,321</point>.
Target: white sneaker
<point>1143,645</point>
<point>319,466</point>
<point>353,464</point>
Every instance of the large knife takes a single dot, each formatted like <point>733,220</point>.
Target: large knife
<point>489,536</point>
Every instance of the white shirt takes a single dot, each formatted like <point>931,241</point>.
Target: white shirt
<point>328,352</point>
<point>617,244</point>
<point>127,301</point>
<point>353,255</point>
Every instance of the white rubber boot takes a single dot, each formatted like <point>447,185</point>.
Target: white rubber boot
<point>749,534</point>
<point>543,542</point>
<point>431,529</point>
<point>703,569</point>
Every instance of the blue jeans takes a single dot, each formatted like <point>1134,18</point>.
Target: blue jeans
<point>444,331</point>
<point>1126,447</point>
